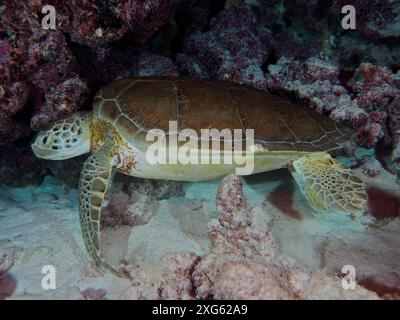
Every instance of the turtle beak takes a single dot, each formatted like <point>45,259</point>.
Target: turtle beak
<point>37,151</point>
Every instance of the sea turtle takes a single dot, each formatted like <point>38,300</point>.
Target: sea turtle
<point>125,111</point>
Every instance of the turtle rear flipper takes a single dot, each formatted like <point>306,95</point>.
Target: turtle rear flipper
<point>328,185</point>
<point>93,184</point>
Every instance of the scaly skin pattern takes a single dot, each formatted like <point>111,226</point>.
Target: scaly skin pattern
<point>95,179</point>
<point>328,185</point>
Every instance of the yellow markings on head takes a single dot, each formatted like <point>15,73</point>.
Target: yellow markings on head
<point>100,130</point>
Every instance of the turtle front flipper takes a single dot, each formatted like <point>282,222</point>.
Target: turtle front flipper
<point>94,181</point>
<point>328,185</point>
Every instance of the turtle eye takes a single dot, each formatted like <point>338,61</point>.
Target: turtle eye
<point>45,139</point>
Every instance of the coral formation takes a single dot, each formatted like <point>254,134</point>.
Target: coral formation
<point>133,201</point>
<point>235,47</point>
<point>94,294</point>
<point>243,263</point>
<point>296,48</point>
<point>367,100</point>
<point>8,283</point>
<point>134,209</point>
<point>170,279</point>
<point>268,276</point>
<point>40,75</point>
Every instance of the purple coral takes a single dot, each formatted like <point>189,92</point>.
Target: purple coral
<point>98,23</point>
<point>315,80</point>
<point>60,101</point>
<point>235,47</point>
<point>295,48</point>
<point>366,100</point>
<point>34,62</point>
<point>39,71</point>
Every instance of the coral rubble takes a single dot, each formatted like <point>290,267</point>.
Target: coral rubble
<point>243,263</point>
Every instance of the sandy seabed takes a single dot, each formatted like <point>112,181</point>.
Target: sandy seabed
<point>39,226</point>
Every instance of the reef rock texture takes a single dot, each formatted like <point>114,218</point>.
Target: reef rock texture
<point>134,201</point>
<point>242,264</point>
<point>298,49</point>
<point>234,49</point>
<point>245,266</point>
<point>8,283</point>
<point>124,209</point>
<point>368,100</point>
<point>239,229</point>
<point>40,76</point>
<point>38,71</point>
<point>365,100</point>
<point>169,279</point>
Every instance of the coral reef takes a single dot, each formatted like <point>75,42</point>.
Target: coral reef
<point>94,294</point>
<point>367,100</point>
<point>268,276</point>
<point>133,201</point>
<point>242,264</point>
<point>38,71</point>
<point>156,189</point>
<point>8,283</point>
<point>234,49</point>
<point>296,48</point>
<point>170,279</point>
<point>40,74</point>
<point>124,209</point>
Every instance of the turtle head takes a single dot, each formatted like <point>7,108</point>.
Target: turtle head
<point>66,138</point>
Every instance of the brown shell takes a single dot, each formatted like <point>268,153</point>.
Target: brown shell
<point>136,105</point>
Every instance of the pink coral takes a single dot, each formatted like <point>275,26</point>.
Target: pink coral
<point>60,101</point>
<point>146,65</point>
<point>242,263</point>
<point>233,277</point>
<point>39,73</point>
<point>240,228</point>
<point>116,211</point>
<point>235,47</point>
<point>8,283</point>
<point>94,294</point>
<point>366,100</point>
<point>254,271</point>
<point>172,281</point>
<point>97,23</point>
<point>315,80</point>
<point>124,209</point>
<point>377,90</point>
<point>34,62</point>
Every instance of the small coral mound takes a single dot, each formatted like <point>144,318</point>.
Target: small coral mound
<point>170,279</point>
<point>243,263</point>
